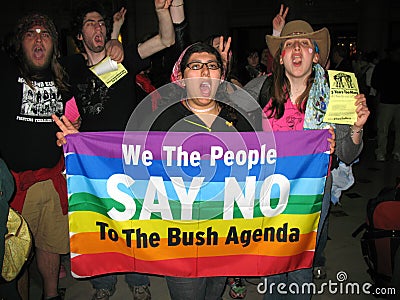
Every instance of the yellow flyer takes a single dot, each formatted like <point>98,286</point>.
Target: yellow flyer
<point>109,71</point>
<point>343,88</point>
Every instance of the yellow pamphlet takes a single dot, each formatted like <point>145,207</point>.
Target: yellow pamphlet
<point>343,88</point>
<point>109,71</point>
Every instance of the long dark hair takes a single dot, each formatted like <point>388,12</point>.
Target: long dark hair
<point>23,25</point>
<point>281,90</point>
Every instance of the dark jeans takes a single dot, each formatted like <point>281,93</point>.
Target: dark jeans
<point>204,288</point>
<point>9,290</point>
<point>109,281</point>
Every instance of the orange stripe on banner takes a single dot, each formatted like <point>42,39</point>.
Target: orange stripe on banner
<point>91,244</point>
<point>87,221</point>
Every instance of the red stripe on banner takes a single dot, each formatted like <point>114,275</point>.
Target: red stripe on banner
<point>241,265</point>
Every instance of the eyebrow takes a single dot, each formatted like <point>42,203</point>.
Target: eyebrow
<point>198,60</point>
<point>93,20</point>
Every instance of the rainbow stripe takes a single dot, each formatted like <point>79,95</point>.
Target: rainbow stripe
<point>155,216</point>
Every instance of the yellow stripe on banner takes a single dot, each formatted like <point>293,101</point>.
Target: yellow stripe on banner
<point>86,221</point>
<point>283,235</point>
<point>89,243</point>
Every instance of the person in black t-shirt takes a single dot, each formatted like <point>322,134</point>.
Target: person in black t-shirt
<point>200,106</point>
<point>108,107</point>
<point>28,148</point>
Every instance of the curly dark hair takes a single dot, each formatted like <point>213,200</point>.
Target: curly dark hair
<point>81,11</point>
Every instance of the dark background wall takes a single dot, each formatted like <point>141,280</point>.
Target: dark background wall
<point>369,24</point>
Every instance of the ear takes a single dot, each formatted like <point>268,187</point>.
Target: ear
<point>79,36</point>
<point>316,58</point>
<point>180,78</point>
<point>281,60</point>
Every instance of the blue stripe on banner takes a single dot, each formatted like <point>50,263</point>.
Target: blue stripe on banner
<point>96,187</point>
<point>309,166</point>
<point>96,167</point>
<point>211,191</point>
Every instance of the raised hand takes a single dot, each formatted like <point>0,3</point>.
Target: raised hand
<point>361,110</point>
<point>114,47</point>
<point>118,21</point>
<point>66,128</point>
<point>279,21</point>
<point>162,4</point>
<point>223,49</point>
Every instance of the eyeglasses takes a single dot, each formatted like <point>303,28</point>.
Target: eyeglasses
<point>196,65</point>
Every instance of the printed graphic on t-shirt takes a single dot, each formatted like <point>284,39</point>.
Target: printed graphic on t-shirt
<point>42,101</point>
<point>93,96</point>
<point>292,120</point>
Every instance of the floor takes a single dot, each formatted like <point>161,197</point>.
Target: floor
<point>343,252</point>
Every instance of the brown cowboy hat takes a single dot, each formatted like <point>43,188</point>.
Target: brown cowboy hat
<point>301,29</point>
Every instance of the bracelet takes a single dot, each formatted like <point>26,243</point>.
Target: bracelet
<point>352,132</point>
<point>177,5</point>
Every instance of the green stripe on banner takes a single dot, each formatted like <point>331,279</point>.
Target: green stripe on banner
<point>298,205</point>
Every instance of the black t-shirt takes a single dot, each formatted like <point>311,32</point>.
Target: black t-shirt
<point>102,108</point>
<point>28,135</point>
<point>178,118</point>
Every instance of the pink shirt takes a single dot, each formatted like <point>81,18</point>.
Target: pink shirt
<point>292,119</point>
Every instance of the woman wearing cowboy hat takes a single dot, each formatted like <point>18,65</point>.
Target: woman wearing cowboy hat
<point>295,97</point>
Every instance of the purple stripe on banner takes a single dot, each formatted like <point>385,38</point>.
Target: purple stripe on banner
<point>86,142</point>
<point>305,140</point>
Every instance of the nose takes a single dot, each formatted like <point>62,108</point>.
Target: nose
<point>296,45</point>
<point>97,25</point>
<point>205,71</point>
<point>38,37</point>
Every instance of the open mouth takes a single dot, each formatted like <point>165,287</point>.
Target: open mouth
<point>38,53</point>
<point>98,39</point>
<point>205,89</point>
<point>297,60</point>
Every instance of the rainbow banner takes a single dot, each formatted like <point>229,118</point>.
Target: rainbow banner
<point>194,204</point>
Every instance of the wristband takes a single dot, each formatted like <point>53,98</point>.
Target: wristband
<point>352,131</point>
